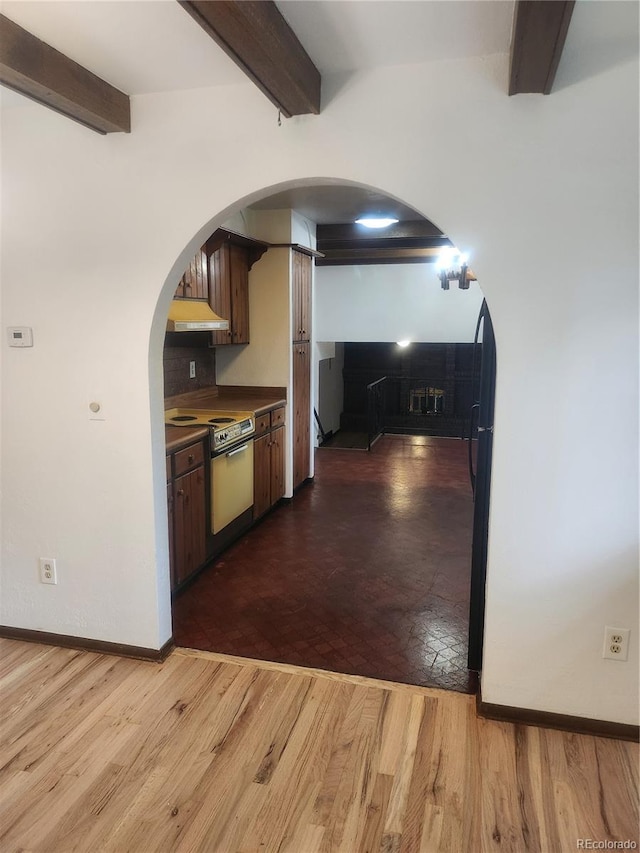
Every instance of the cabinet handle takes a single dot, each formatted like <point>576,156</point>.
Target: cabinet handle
<point>180,492</point>
<point>190,458</point>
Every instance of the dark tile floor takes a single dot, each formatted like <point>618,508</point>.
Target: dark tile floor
<point>366,571</point>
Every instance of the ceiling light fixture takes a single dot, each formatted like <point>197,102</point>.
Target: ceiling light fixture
<point>453,265</point>
<point>375,221</point>
<point>403,344</point>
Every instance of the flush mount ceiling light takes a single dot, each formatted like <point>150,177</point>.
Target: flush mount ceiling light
<point>403,344</point>
<point>375,221</point>
<point>453,265</point>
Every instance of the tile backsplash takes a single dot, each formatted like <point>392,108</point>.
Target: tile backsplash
<point>181,348</point>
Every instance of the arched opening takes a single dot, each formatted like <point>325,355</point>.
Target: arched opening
<point>229,364</point>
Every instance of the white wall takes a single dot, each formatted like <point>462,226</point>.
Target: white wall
<point>266,360</point>
<point>94,226</point>
<point>393,302</point>
<point>330,394</point>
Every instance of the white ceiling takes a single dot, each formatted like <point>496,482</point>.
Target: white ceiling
<point>333,203</point>
<point>348,35</point>
<point>139,46</point>
<point>144,46</point>
<point>147,46</point>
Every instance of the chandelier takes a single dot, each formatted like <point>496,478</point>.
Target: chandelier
<point>453,265</point>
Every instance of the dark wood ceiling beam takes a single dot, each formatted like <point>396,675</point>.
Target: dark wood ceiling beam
<point>367,255</point>
<point>259,40</point>
<point>411,242</point>
<point>539,32</point>
<point>42,73</point>
<point>348,231</point>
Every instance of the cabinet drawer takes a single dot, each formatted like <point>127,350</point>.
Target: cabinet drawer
<point>188,458</point>
<point>263,423</point>
<point>277,417</point>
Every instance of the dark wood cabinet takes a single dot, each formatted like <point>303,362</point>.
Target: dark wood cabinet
<point>301,412</point>
<point>170,513</point>
<point>277,464</point>
<point>194,283</point>
<point>301,390</point>
<point>231,256</point>
<point>261,475</point>
<point>269,460</point>
<point>190,521</point>
<point>186,498</point>
<point>229,292</point>
<point>301,296</point>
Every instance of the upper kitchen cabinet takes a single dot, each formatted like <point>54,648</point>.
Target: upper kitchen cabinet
<point>301,296</point>
<point>194,283</point>
<point>230,257</point>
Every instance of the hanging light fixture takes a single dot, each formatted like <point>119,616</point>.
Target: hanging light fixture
<point>453,265</point>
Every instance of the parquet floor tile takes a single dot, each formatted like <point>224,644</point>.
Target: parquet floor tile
<point>366,571</point>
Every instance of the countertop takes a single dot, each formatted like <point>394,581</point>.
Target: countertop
<point>229,398</point>
<point>177,437</point>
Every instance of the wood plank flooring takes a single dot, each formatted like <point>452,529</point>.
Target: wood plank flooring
<point>224,755</point>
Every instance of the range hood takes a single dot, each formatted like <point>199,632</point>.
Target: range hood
<point>194,315</point>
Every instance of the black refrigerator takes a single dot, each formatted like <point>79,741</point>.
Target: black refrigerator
<point>480,450</point>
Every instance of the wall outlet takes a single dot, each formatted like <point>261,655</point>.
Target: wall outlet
<point>192,370</point>
<point>616,643</point>
<point>48,572</point>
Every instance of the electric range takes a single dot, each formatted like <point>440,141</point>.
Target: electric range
<point>226,427</point>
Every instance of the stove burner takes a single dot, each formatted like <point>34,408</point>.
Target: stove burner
<point>221,420</point>
<point>184,418</point>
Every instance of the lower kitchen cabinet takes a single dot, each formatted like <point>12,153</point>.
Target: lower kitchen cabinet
<point>301,412</point>
<point>268,458</point>
<point>187,513</point>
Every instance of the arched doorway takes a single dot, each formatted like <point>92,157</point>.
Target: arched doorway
<point>241,217</point>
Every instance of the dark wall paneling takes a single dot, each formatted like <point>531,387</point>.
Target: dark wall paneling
<point>411,373</point>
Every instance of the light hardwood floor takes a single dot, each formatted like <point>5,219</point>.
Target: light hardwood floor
<point>205,753</point>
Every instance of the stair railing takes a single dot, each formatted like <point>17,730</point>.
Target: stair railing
<point>376,399</point>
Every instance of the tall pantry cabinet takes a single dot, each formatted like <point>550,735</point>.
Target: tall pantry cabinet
<point>301,367</point>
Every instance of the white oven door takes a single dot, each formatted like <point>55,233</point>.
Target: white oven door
<point>231,485</point>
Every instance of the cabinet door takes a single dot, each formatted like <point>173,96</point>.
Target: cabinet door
<point>194,283</point>
<point>220,291</point>
<point>301,412</point>
<point>261,475</point>
<point>170,513</point>
<point>239,265</point>
<point>190,523</point>
<point>277,464</point>
<point>301,296</point>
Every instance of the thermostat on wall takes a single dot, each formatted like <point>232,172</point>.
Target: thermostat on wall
<point>20,336</point>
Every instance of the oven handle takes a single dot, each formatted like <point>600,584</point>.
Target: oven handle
<point>237,450</point>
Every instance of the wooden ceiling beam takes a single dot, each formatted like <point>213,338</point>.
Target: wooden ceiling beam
<point>418,229</point>
<point>45,75</point>
<point>374,255</point>
<point>259,40</point>
<point>539,32</point>
<point>411,242</point>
